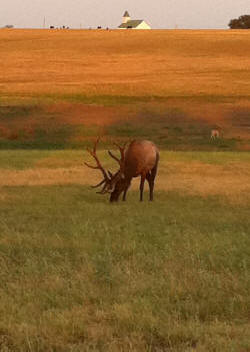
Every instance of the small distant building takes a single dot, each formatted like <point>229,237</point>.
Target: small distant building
<point>127,23</point>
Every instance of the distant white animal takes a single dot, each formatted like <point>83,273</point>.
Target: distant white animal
<point>215,133</point>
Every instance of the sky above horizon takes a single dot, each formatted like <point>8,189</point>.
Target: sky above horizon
<point>186,14</point>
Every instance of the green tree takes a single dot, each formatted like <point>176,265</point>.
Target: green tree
<point>243,22</point>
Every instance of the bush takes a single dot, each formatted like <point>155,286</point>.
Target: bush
<point>243,22</point>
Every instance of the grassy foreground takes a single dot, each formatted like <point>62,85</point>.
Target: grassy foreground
<point>79,274</point>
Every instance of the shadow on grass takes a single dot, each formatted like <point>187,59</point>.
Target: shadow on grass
<point>31,127</point>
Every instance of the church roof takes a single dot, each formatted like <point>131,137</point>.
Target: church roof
<point>131,24</point>
<point>126,14</point>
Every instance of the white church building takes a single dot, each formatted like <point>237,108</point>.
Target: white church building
<point>127,23</point>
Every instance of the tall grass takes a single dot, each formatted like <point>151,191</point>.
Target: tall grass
<point>78,274</point>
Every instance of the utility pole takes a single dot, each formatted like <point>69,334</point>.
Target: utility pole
<point>44,22</point>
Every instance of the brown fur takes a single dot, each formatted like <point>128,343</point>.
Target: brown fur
<point>215,133</point>
<point>141,159</point>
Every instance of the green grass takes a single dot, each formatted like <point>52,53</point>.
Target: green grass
<point>33,127</point>
<point>117,100</point>
<point>25,159</point>
<point>64,137</point>
<point>21,159</point>
<point>79,274</point>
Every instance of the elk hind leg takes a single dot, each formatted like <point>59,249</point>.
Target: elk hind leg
<point>151,181</point>
<point>143,177</point>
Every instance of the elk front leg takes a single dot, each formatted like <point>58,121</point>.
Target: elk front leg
<point>125,190</point>
<point>124,194</point>
<point>143,177</point>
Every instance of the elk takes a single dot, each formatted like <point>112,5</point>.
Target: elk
<point>215,133</point>
<point>140,158</point>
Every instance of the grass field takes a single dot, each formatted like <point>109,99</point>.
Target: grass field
<point>138,64</point>
<point>60,88</point>
<point>79,274</point>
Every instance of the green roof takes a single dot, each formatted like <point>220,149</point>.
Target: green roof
<point>131,24</point>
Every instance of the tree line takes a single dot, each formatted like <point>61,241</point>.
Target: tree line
<point>243,22</point>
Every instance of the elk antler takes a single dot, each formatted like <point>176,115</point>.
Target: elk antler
<point>122,152</point>
<point>106,179</point>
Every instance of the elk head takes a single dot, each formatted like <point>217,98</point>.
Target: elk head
<point>112,183</point>
<point>119,179</point>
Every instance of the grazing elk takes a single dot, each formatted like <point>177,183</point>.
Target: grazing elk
<point>215,133</point>
<point>140,158</point>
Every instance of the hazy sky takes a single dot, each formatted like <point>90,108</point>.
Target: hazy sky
<point>91,13</point>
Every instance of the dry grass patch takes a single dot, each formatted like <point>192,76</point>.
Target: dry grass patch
<point>120,63</point>
<point>206,179</point>
<point>44,176</point>
<point>231,180</point>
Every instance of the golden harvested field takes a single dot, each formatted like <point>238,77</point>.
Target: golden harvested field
<point>163,63</point>
<point>102,78</point>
